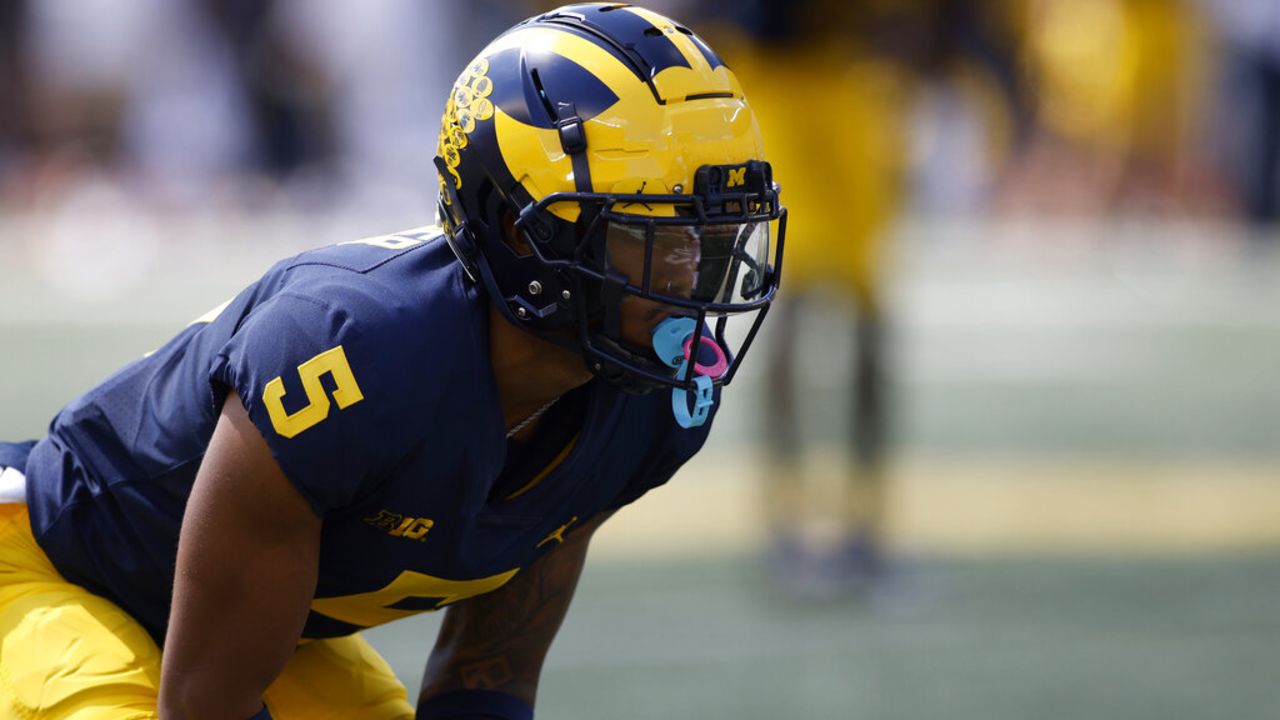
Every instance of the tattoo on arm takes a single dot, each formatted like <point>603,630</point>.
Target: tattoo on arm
<point>491,674</point>
<point>498,641</point>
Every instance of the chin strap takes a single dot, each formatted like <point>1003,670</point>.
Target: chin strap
<point>673,342</point>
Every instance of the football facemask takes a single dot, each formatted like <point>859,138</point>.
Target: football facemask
<point>644,259</point>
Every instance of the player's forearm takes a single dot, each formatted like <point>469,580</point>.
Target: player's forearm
<point>459,665</point>
<point>227,642</point>
<point>499,641</point>
<point>197,693</point>
<point>229,638</point>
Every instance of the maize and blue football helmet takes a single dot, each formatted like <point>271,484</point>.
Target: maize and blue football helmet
<point>600,168</point>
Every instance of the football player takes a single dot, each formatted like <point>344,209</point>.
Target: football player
<point>839,130</point>
<point>438,418</point>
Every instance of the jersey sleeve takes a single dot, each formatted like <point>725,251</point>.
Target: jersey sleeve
<point>307,371</point>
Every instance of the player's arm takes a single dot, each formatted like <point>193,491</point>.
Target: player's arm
<point>498,641</point>
<point>246,573</point>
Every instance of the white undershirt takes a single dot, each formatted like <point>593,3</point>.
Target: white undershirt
<point>13,486</point>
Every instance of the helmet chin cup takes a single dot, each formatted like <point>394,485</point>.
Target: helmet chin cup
<point>608,360</point>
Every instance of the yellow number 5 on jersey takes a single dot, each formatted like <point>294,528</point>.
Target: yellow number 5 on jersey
<point>346,393</point>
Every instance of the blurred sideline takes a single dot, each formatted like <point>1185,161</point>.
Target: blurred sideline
<point>987,507</point>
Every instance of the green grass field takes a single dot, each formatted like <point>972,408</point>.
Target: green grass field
<point>1088,476</point>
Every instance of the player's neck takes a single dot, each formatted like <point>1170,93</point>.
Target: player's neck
<point>529,372</point>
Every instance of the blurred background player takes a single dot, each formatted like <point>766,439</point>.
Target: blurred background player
<point>834,109</point>
<point>838,85</point>
<point>1121,85</point>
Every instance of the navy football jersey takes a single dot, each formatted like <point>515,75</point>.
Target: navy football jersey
<point>366,368</point>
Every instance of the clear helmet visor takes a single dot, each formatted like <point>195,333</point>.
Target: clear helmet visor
<point>717,272</point>
<point>706,264</point>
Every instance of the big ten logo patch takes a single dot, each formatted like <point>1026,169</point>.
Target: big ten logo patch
<point>397,525</point>
<point>468,104</point>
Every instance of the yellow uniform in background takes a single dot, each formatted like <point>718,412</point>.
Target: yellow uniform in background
<point>835,120</point>
<point>1120,76</point>
<point>835,129</point>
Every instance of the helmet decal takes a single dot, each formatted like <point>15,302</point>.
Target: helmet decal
<point>658,52</point>
<point>707,53</point>
<point>681,37</point>
<point>658,49</point>
<point>468,104</point>
<point>557,77</point>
